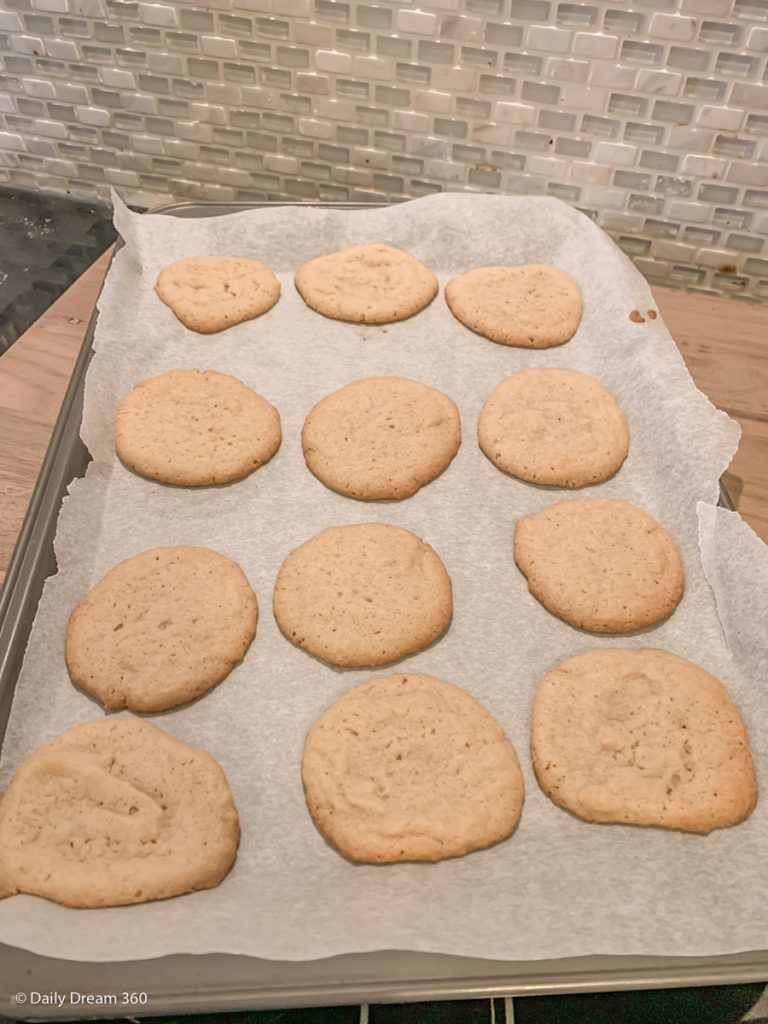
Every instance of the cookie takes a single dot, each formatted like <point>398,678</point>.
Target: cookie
<point>642,737</point>
<point>210,293</point>
<point>161,628</point>
<point>359,596</point>
<point>408,767</point>
<point>115,812</point>
<point>536,306</point>
<point>553,427</point>
<point>604,566</point>
<point>380,438</point>
<point>366,284</point>
<point>194,428</point>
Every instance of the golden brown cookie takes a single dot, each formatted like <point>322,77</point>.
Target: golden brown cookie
<point>408,767</point>
<point>116,812</point>
<point>535,306</point>
<point>210,293</point>
<point>366,284</point>
<point>359,596</point>
<point>161,628</point>
<point>382,437</point>
<point>554,427</point>
<point>194,428</point>
<point>604,566</point>
<point>642,737</point>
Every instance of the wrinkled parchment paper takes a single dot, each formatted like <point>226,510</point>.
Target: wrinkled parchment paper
<point>558,887</point>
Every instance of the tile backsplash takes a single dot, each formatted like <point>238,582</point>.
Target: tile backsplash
<point>650,117</point>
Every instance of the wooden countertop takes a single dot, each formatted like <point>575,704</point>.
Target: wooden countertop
<point>723,342</point>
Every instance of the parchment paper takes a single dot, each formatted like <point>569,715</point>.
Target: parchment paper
<point>559,886</point>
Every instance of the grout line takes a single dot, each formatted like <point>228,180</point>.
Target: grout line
<point>509,1011</point>
<point>364,1014</point>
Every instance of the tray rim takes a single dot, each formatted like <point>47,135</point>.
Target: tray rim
<point>481,978</point>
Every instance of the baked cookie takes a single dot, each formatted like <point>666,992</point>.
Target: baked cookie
<point>408,767</point>
<point>210,293</point>
<point>116,812</point>
<point>366,284</point>
<point>559,428</point>
<point>194,428</point>
<point>604,566</point>
<point>642,737</point>
<point>536,306</point>
<point>161,628</point>
<point>382,437</point>
<point>358,596</point>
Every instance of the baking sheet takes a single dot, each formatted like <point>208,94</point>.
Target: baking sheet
<point>559,887</point>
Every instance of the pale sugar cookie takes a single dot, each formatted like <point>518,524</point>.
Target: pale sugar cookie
<point>366,284</point>
<point>115,812</point>
<point>161,628</point>
<point>408,767</point>
<point>535,306</point>
<point>382,437</point>
<point>642,737</point>
<point>211,293</point>
<point>604,566</point>
<point>193,428</point>
<point>554,427</point>
<point>359,596</point>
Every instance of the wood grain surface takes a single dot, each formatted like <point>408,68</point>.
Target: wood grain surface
<point>722,342</point>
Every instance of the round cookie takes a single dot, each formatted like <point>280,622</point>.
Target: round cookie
<point>210,293</point>
<point>116,812</point>
<point>408,767</point>
<point>194,428</point>
<point>535,306</point>
<point>603,566</point>
<point>359,596</point>
<point>366,284</point>
<point>642,737</point>
<point>553,427</point>
<point>380,438</point>
<point>161,628</point>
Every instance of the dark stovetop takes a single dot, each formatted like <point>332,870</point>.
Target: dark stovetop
<point>46,242</point>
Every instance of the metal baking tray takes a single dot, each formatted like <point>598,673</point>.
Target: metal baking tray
<point>184,984</point>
